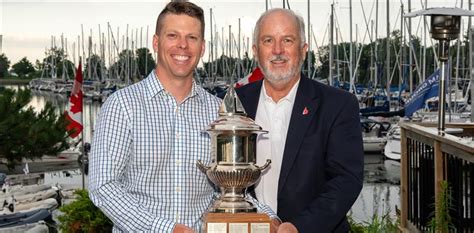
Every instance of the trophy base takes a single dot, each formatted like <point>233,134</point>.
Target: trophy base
<point>234,207</point>
<point>236,223</point>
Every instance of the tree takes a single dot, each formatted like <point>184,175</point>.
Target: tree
<point>145,62</point>
<point>96,66</point>
<point>23,67</point>
<point>122,69</point>
<point>56,64</point>
<point>4,65</point>
<point>27,134</point>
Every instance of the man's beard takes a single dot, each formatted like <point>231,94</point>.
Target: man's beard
<point>280,77</point>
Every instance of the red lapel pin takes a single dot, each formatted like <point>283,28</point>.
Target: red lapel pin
<point>305,111</point>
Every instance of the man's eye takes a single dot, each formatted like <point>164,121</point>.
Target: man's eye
<point>171,36</point>
<point>288,41</point>
<point>267,41</point>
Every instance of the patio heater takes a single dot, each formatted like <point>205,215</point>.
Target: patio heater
<point>445,26</point>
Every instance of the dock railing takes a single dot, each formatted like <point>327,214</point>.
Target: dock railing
<point>428,160</point>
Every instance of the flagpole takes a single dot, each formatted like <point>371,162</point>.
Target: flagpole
<point>83,155</point>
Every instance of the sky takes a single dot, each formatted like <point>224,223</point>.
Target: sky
<point>28,27</point>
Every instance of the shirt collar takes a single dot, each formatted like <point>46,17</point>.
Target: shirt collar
<point>155,87</point>
<point>290,97</point>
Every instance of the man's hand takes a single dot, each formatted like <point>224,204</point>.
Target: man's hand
<point>287,227</point>
<point>274,225</point>
<point>180,228</point>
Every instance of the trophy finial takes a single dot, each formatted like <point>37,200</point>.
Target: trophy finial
<point>231,104</point>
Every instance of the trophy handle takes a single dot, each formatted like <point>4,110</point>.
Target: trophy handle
<point>264,166</point>
<point>202,167</point>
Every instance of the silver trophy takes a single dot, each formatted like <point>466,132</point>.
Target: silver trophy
<point>233,151</point>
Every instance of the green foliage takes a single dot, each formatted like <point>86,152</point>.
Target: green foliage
<point>83,216</point>
<point>23,67</point>
<point>56,64</point>
<point>145,62</point>
<point>225,66</point>
<point>376,224</point>
<point>443,222</point>
<point>95,66</point>
<point>4,65</point>
<point>27,134</point>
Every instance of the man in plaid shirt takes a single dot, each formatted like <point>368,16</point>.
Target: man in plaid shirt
<point>143,172</point>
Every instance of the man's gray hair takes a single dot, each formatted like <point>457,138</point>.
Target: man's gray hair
<point>298,18</point>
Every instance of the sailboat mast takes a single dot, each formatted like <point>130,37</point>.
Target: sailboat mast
<point>309,42</point>
<point>331,58</point>
<point>211,66</point>
<point>351,79</point>
<point>471,62</point>
<point>402,41</point>
<point>376,42</point>
<point>410,57</point>
<point>387,58</point>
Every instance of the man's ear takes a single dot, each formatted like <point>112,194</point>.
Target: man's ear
<point>254,52</point>
<point>203,48</point>
<point>304,50</point>
<point>156,40</point>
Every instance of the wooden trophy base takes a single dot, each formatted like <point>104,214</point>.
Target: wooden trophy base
<point>236,223</point>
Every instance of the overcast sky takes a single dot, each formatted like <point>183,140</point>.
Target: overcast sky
<point>27,26</point>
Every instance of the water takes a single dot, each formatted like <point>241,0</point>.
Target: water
<point>380,194</point>
<point>39,98</point>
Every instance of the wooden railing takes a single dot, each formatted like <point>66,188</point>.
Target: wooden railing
<point>427,160</point>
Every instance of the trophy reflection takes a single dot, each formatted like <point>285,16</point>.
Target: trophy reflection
<point>233,170</point>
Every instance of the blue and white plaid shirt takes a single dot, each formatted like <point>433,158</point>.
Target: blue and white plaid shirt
<point>143,172</point>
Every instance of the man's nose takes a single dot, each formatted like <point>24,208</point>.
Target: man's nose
<point>182,42</point>
<point>277,48</point>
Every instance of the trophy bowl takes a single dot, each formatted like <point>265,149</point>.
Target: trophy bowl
<point>233,152</point>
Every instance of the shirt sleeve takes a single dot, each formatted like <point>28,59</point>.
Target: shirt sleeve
<point>263,208</point>
<point>111,149</point>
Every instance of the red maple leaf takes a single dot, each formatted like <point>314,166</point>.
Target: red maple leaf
<point>76,102</point>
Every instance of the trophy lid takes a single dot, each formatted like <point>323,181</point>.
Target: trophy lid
<point>232,116</point>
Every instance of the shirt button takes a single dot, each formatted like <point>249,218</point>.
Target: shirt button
<point>177,217</point>
<point>178,162</point>
<point>178,189</point>
<point>177,135</point>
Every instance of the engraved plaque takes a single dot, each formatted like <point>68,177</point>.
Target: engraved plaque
<point>259,227</point>
<point>237,223</point>
<point>216,228</point>
<point>238,227</point>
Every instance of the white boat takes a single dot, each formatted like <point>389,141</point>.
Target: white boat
<point>8,190</point>
<point>10,206</point>
<point>392,149</point>
<point>38,227</point>
<point>374,134</point>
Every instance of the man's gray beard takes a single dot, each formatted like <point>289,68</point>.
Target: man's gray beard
<point>282,78</point>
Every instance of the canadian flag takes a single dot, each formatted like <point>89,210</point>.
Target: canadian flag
<point>74,108</point>
<point>256,75</point>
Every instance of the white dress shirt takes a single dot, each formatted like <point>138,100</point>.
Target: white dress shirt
<point>275,118</point>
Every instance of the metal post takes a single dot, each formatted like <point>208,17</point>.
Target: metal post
<point>443,49</point>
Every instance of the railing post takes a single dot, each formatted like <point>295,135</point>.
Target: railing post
<point>439,177</point>
<point>404,179</point>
